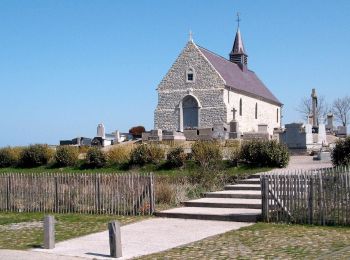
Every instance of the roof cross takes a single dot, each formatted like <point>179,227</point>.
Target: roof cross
<point>238,19</point>
<point>190,36</point>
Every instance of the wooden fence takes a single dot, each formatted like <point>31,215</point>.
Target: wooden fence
<point>127,194</point>
<point>320,197</point>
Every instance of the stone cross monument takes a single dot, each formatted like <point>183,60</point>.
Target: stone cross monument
<point>234,126</point>
<point>314,108</point>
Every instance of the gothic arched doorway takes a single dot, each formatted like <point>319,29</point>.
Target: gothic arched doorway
<point>190,108</point>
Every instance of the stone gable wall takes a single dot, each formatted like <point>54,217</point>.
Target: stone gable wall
<point>208,88</point>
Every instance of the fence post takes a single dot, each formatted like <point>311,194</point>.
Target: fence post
<point>115,243</point>
<point>151,192</point>
<point>98,193</point>
<point>311,206</point>
<point>49,232</point>
<point>56,194</point>
<point>8,191</point>
<point>265,198</point>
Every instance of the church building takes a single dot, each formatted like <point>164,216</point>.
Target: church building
<point>203,88</point>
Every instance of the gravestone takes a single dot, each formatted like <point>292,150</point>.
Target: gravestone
<point>234,127</point>
<point>262,128</point>
<point>156,135</point>
<point>220,131</point>
<point>117,136</point>
<point>191,134</point>
<point>294,136</point>
<point>308,134</point>
<point>341,131</point>
<point>329,125</point>
<point>173,136</point>
<point>322,136</point>
<point>101,131</point>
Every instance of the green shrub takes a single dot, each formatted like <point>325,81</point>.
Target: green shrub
<point>341,152</point>
<point>9,156</point>
<point>264,153</point>
<point>66,156</point>
<point>35,155</point>
<point>95,158</point>
<point>176,157</point>
<point>119,154</point>
<point>207,153</point>
<point>147,153</point>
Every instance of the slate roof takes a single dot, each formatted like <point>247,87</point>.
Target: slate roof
<point>242,81</point>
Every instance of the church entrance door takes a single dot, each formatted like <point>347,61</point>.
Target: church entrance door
<point>190,112</point>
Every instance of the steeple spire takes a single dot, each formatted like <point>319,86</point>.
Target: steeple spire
<point>238,54</point>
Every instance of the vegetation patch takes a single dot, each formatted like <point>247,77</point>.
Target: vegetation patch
<point>341,153</point>
<point>268,241</point>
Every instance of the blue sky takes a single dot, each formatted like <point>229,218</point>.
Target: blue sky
<point>66,66</point>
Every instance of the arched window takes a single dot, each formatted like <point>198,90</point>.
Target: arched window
<point>190,75</point>
<point>240,107</point>
<point>277,115</point>
<point>256,110</point>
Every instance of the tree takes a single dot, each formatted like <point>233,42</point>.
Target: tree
<point>305,107</point>
<point>341,109</point>
<point>137,131</point>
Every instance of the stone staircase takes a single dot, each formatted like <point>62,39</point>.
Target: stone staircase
<point>238,202</point>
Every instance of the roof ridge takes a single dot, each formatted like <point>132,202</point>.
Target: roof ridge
<point>222,57</point>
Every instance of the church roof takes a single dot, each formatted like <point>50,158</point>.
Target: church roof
<point>243,81</point>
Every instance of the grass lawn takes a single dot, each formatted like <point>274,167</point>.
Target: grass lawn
<point>25,230</point>
<point>268,241</point>
<point>190,168</point>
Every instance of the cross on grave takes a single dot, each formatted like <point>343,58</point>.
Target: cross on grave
<point>234,113</point>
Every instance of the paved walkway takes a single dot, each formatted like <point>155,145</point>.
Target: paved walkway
<point>142,238</point>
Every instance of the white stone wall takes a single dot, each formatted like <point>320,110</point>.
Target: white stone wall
<point>267,112</point>
<point>208,88</point>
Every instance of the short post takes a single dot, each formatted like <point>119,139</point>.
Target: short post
<point>49,232</point>
<point>115,243</point>
<point>265,198</point>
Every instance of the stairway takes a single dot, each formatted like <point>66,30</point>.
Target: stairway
<point>238,202</point>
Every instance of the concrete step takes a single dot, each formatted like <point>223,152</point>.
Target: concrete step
<point>224,214</point>
<point>250,181</point>
<point>254,176</point>
<point>224,203</point>
<point>243,187</point>
<point>243,194</point>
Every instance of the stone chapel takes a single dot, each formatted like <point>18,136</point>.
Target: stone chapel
<point>203,88</point>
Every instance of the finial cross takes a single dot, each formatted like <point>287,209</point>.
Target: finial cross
<point>238,19</point>
<point>190,36</point>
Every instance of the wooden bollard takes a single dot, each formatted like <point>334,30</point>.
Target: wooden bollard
<point>49,232</point>
<point>115,242</point>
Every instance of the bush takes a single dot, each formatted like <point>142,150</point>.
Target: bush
<point>176,157</point>
<point>265,153</point>
<point>95,158</point>
<point>341,153</point>
<point>66,156</point>
<point>119,154</point>
<point>137,131</point>
<point>35,155</point>
<point>9,156</point>
<point>147,153</point>
<point>207,153</point>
